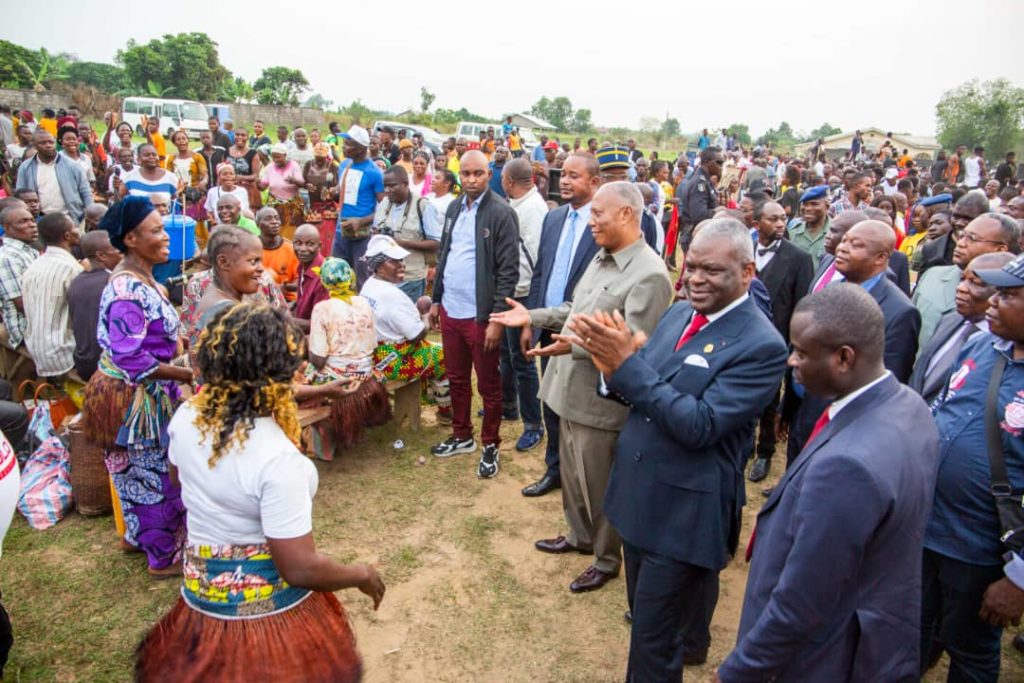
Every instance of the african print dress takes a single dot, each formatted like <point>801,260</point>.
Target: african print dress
<point>126,413</point>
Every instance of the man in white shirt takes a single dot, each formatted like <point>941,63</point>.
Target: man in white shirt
<point>49,337</point>
<point>520,382</point>
<point>974,168</point>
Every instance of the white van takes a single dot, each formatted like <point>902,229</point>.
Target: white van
<point>470,130</point>
<point>173,114</point>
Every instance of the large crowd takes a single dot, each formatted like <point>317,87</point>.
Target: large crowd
<point>852,308</point>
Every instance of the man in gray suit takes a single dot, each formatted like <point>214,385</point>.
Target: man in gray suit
<point>937,358</point>
<point>624,276</point>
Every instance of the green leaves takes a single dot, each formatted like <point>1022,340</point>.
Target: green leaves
<point>989,113</point>
<point>280,85</point>
<point>188,60</point>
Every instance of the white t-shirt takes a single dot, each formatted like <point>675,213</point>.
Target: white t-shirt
<point>972,171</point>
<point>216,192</point>
<point>263,489</point>
<point>50,197</point>
<point>85,163</point>
<point>394,312</point>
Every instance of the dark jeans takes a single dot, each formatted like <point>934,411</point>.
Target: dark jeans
<point>949,615</point>
<point>352,250</point>
<point>13,416</point>
<point>551,419</point>
<point>672,604</point>
<point>463,342</point>
<point>520,382</point>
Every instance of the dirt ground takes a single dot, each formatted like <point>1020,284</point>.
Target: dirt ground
<point>468,597</point>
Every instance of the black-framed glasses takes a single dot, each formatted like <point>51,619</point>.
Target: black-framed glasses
<point>974,239</point>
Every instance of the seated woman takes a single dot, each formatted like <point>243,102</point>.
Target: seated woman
<point>130,398</point>
<point>257,599</point>
<point>403,352</point>
<point>342,341</point>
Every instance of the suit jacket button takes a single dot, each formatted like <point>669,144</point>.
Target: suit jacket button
<point>637,456</point>
<point>647,419</point>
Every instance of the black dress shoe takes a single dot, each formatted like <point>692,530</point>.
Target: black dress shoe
<point>695,658</point>
<point>590,580</point>
<point>1018,642</point>
<point>628,616</point>
<point>759,470</point>
<point>545,484</point>
<point>559,545</point>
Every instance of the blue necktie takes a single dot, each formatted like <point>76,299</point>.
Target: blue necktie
<point>560,271</point>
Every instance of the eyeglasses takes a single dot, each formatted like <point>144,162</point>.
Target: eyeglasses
<point>971,238</point>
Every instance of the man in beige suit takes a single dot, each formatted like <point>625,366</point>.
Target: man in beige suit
<point>628,277</point>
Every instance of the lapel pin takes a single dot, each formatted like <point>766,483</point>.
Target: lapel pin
<point>709,348</point>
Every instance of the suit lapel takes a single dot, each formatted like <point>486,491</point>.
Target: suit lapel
<point>714,337</point>
<point>877,394</point>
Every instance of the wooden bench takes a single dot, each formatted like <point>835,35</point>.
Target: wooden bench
<point>312,415</point>
<point>406,395</point>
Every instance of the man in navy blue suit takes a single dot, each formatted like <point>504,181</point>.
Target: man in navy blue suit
<point>695,390</point>
<point>836,561</point>
<point>566,249</point>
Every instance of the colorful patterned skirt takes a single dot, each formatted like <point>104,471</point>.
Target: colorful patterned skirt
<point>237,621</point>
<point>292,213</point>
<point>129,422</point>
<point>324,215</point>
<point>405,361</point>
<point>367,406</point>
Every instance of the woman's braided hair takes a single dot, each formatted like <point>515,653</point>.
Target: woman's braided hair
<point>247,357</point>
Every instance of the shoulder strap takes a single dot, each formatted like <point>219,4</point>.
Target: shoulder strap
<point>1000,486</point>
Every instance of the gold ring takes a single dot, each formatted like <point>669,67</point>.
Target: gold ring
<point>588,341</point>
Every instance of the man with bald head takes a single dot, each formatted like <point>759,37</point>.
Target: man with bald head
<point>935,295</point>
<point>60,182</point>
<point>694,389</point>
<point>519,379</point>
<point>627,277</point>
<point>477,272</point>
<point>84,298</point>
<point>229,212</point>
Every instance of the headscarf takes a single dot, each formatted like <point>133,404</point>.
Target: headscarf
<point>264,150</point>
<point>125,216</point>
<point>279,148</point>
<point>338,278</point>
<point>373,262</point>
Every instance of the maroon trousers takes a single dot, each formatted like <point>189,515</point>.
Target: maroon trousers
<point>463,342</point>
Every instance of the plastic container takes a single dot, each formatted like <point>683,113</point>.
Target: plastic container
<point>164,271</point>
<point>182,231</point>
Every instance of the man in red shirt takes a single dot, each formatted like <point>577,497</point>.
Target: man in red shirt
<point>306,243</point>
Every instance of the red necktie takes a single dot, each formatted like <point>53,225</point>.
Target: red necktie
<point>696,325</point>
<point>750,543</point>
<point>818,426</point>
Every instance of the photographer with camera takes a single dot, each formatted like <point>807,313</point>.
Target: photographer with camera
<point>401,216</point>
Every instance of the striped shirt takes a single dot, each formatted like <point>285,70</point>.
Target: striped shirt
<point>140,186</point>
<point>15,258</point>
<point>49,337</point>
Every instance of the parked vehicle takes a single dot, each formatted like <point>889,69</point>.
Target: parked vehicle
<point>173,114</point>
<point>431,138</point>
<point>470,130</point>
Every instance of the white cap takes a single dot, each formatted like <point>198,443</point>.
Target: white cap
<point>358,135</point>
<point>891,172</point>
<point>385,244</point>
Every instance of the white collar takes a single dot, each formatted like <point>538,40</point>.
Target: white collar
<point>524,197</point>
<point>841,403</point>
<point>712,317</point>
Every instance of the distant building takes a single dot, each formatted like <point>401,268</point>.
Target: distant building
<point>922,148</point>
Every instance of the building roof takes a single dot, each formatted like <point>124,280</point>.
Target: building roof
<point>905,139</point>
<point>534,121</point>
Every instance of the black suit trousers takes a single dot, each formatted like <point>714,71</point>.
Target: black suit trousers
<point>551,419</point>
<point>672,604</point>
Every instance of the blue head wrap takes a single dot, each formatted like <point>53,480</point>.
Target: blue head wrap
<point>125,216</point>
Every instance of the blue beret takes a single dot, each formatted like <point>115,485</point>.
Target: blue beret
<point>613,157</point>
<point>816,192</point>
<point>937,199</point>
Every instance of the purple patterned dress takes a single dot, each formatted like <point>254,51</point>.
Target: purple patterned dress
<point>138,329</point>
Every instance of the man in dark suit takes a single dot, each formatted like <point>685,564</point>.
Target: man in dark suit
<point>676,489</point>
<point>898,270</point>
<point>786,271</point>
<point>937,358</point>
<point>835,559</point>
<point>862,258</point>
<point>566,249</point>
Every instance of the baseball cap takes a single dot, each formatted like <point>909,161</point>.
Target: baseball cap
<point>891,172</point>
<point>1010,275</point>
<point>550,144</point>
<point>358,135</point>
<point>385,244</point>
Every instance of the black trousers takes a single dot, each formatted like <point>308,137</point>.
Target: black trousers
<point>551,419</point>
<point>13,416</point>
<point>672,604</point>
<point>766,431</point>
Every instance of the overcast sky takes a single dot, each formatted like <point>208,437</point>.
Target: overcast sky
<point>868,63</point>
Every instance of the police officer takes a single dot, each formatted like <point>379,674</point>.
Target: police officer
<point>696,194</point>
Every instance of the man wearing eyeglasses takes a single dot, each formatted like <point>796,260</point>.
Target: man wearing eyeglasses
<point>936,289</point>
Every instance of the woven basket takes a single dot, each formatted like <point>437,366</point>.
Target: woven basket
<point>90,482</point>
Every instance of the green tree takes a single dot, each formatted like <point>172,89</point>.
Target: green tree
<point>823,131</point>
<point>670,128</point>
<point>556,111</point>
<point>45,69</point>
<point>107,78</point>
<point>359,113</point>
<point>741,131</point>
<point>581,121</point>
<point>318,101</point>
<point>186,62</point>
<point>426,99</point>
<point>781,137</point>
<point>280,85</point>
<point>989,113</point>
<point>236,90</point>
<point>12,59</point>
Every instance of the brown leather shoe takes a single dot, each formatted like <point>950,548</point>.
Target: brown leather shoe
<point>695,658</point>
<point>559,545</point>
<point>171,572</point>
<point>590,580</point>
